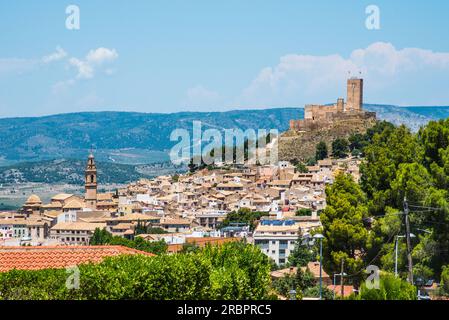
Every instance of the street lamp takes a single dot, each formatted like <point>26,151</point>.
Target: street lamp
<point>396,253</point>
<point>341,282</point>
<point>320,237</point>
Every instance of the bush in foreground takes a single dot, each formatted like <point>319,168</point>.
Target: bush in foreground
<point>232,271</point>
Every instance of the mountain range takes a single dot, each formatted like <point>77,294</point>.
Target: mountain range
<point>144,138</point>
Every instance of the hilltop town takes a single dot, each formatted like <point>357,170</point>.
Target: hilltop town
<point>274,214</point>
<point>184,206</point>
<point>199,207</point>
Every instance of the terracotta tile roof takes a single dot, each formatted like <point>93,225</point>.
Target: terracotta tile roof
<point>78,226</point>
<point>284,272</point>
<point>347,290</point>
<point>314,268</point>
<point>36,258</point>
<point>52,205</point>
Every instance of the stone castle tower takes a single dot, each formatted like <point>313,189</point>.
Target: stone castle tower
<point>91,183</point>
<point>318,117</point>
<point>354,95</point>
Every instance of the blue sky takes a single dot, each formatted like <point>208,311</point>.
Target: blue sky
<point>168,56</point>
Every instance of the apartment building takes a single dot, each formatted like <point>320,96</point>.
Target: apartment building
<point>276,238</point>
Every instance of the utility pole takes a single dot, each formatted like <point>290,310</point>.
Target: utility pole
<point>409,245</point>
<point>342,273</point>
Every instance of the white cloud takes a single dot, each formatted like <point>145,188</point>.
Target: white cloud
<point>20,66</point>
<point>93,60</point>
<point>201,97</point>
<point>316,79</point>
<point>85,70</point>
<point>101,55</point>
<point>55,56</point>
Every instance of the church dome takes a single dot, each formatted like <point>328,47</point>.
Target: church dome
<point>34,199</point>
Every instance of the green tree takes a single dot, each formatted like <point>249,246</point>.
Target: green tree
<point>245,216</point>
<point>299,282</point>
<point>141,228</point>
<point>321,151</point>
<point>302,254</point>
<point>189,247</point>
<point>445,281</point>
<point>314,292</point>
<point>340,148</point>
<point>301,168</point>
<point>357,141</point>
<point>304,212</point>
<point>156,230</point>
<point>103,237</point>
<point>412,181</point>
<point>388,149</point>
<point>343,228</point>
<point>100,237</point>
<point>390,288</point>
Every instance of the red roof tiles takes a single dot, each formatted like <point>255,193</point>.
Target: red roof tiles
<point>347,290</point>
<point>36,258</point>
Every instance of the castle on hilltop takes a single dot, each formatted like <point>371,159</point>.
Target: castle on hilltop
<point>323,116</point>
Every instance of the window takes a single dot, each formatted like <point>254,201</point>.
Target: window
<point>281,261</point>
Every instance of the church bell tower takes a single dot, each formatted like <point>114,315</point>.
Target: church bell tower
<point>91,183</point>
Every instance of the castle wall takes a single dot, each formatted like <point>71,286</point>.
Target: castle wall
<point>319,116</point>
<point>323,123</point>
<point>317,112</point>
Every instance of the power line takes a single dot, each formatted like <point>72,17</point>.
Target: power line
<point>425,207</point>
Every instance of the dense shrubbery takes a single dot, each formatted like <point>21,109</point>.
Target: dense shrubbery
<point>103,237</point>
<point>444,285</point>
<point>390,288</point>
<point>301,281</point>
<point>232,271</point>
<point>245,216</point>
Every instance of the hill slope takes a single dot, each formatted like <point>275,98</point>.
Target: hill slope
<point>72,172</point>
<point>120,136</point>
<point>137,138</point>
